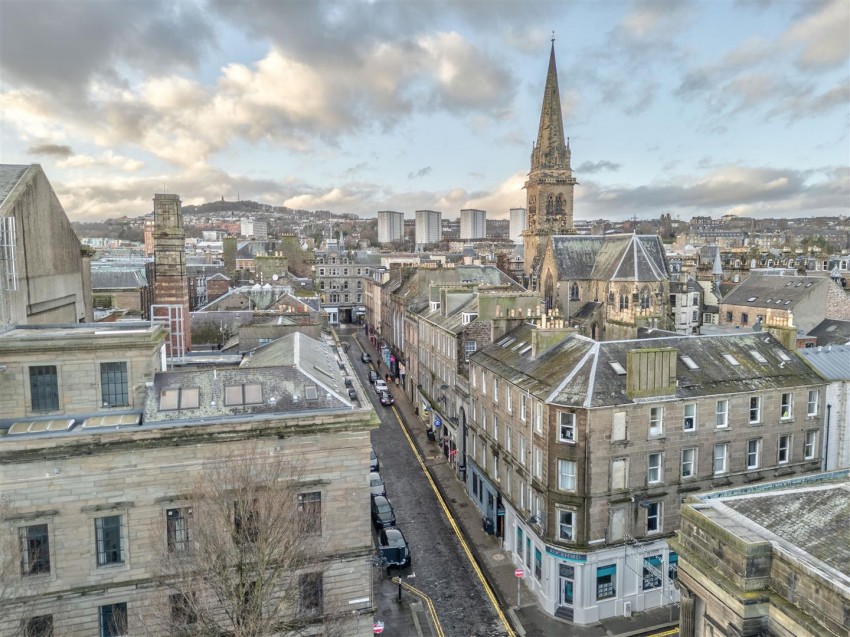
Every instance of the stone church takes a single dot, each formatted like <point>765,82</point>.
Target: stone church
<point>607,286</point>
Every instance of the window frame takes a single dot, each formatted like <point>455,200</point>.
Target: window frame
<point>114,384</point>
<point>649,580</point>
<point>787,449</point>
<point>753,454</point>
<point>569,427</point>
<point>34,566</point>
<point>571,534</point>
<point>178,529</point>
<point>724,446</point>
<point>656,420</point>
<point>790,406</point>
<point>721,417</point>
<point>311,595</point>
<point>692,418</point>
<point>810,443</point>
<point>38,626</point>
<point>606,584</point>
<point>654,521</point>
<point>810,402</point>
<point>119,609</point>
<point>40,393</point>
<point>657,468</point>
<point>103,553</point>
<point>567,481</point>
<point>694,451</point>
<point>755,409</point>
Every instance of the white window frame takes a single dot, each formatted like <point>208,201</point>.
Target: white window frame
<point>653,512</point>
<point>690,463</point>
<point>566,530</point>
<point>566,475</point>
<point>812,403</point>
<point>538,416</point>
<point>721,414</point>
<point>538,461</point>
<point>510,399</point>
<point>780,448</point>
<point>810,445</point>
<point>509,438</point>
<point>495,390</point>
<point>724,447</point>
<point>656,420</point>
<point>654,470</point>
<point>522,450</point>
<point>523,399</point>
<point>692,417</point>
<point>753,454</point>
<point>786,406</point>
<point>567,430</point>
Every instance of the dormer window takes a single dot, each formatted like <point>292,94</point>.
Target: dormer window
<point>435,305</point>
<point>468,317</point>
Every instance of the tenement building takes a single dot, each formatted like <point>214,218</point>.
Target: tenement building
<point>586,449</point>
<point>101,452</point>
<point>767,559</point>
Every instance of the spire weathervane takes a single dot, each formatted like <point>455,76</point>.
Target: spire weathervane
<point>553,36</point>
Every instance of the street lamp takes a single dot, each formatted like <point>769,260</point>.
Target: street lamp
<point>411,576</point>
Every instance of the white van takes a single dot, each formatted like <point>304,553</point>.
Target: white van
<point>380,385</point>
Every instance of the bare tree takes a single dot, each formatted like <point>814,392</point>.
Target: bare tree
<point>242,555</point>
<point>21,555</point>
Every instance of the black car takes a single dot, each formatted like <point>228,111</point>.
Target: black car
<point>393,548</point>
<point>373,376</point>
<point>376,484</point>
<point>382,512</point>
<point>387,399</point>
<point>365,357</point>
<point>374,463</point>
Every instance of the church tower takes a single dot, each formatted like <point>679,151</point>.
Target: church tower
<point>550,184</point>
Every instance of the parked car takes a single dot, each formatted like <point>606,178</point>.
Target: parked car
<point>381,385</point>
<point>365,357</point>
<point>383,515</point>
<point>376,484</point>
<point>387,399</point>
<point>374,463</point>
<point>373,376</point>
<point>393,548</point>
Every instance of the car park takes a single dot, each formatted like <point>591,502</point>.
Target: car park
<point>381,385</point>
<point>383,514</point>
<point>374,463</point>
<point>386,398</point>
<point>365,357</point>
<point>373,376</point>
<point>393,548</point>
<point>376,484</point>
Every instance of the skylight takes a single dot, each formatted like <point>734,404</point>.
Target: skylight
<point>618,368</point>
<point>517,346</point>
<point>783,355</point>
<point>751,299</point>
<point>525,349</point>
<point>310,392</point>
<point>757,355</point>
<point>508,341</point>
<point>731,359</point>
<point>687,360</point>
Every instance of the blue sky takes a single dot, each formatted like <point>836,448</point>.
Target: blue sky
<point>701,107</point>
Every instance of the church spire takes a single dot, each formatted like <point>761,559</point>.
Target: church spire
<point>550,150</point>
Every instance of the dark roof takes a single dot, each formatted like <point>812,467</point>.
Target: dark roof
<point>117,279</point>
<point>10,175</point>
<point>578,371</point>
<point>831,332</point>
<point>781,292</point>
<point>620,257</point>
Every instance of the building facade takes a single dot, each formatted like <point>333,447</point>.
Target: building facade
<point>473,224</point>
<point>580,452</point>
<point>517,225</point>
<point>429,227</point>
<point>390,226</point>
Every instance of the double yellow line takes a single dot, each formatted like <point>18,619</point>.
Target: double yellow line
<point>428,603</point>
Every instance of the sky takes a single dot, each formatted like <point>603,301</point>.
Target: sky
<point>701,107</point>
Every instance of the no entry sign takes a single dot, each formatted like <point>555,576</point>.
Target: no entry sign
<point>520,572</point>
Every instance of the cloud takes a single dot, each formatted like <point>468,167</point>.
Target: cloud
<point>107,159</point>
<point>420,173</point>
<point>590,167</point>
<point>822,36</point>
<point>55,150</point>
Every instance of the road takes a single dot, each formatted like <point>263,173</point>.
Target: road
<point>442,568</point>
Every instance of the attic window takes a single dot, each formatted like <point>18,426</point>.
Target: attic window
<point>689,362</point>
<point>517,346</point>
<point>435,305</point>
<point>179,398</point>
<point>618,368</point>
<point>310,392</point>
<point>752,298</point>
<point>244,394</point>
<point>831,328</point>
<point>508,341</point>
<point>468,317</point>
<point>757,355</point>
<point>525,349</point>
<point>503,341</point>
<point>808,285</point>
<point>783,355</point>
<point>731,359</point>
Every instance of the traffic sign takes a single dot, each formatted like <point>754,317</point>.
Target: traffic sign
<point>378,627</point>
<point>519,572</point>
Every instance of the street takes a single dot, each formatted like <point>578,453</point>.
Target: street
<point>443,570</point>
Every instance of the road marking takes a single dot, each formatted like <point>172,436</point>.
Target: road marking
<point>428,603</point>
<point>666,633</point>
<point>458,534</point>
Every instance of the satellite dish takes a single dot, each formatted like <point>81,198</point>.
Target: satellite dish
<point>274,277</point>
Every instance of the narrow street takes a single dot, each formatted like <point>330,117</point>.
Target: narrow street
<point>442,568</point>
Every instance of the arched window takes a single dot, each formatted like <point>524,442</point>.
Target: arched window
<point>550,206</point>
<point>594,329</point>
<point>644,298</point>
<point>575,294</point>
<point>549,292</point>
<point>624,298</point>
<point>559,204</point>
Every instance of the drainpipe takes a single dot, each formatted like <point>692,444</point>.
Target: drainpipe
<point>826,441</point>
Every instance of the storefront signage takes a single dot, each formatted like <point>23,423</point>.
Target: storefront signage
<point>565,555</point>
<point>438,422</point>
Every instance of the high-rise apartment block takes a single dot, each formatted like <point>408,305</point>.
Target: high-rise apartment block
<point>390,226</point>
<point>473,224</point>
<point>428,227</point>
<point>517,224</point>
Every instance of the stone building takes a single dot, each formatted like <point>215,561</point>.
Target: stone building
<point>785,301</point>
<point>44,269</point>
<point>767,559</point>
<point>585,449</point>
<point>550,184</point>
<point>606,286</point>
<point>100,447</point>
<point>341,279</point>
<point>833,363</point>
<point>170,281</point>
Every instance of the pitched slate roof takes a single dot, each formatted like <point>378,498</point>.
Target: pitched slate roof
<point>579,371</point>
<point>10,175</point>
<point>619,257</point>
<point>831,332</point>
<point>765,290</point>
<point>102,279</point>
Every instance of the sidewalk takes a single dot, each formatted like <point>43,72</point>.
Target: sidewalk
<point>496,563</point>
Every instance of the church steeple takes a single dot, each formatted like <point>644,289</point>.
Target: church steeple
<point>550,150</point>
<point>550,185</point>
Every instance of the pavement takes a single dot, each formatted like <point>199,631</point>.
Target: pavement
<point>496,564</point>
